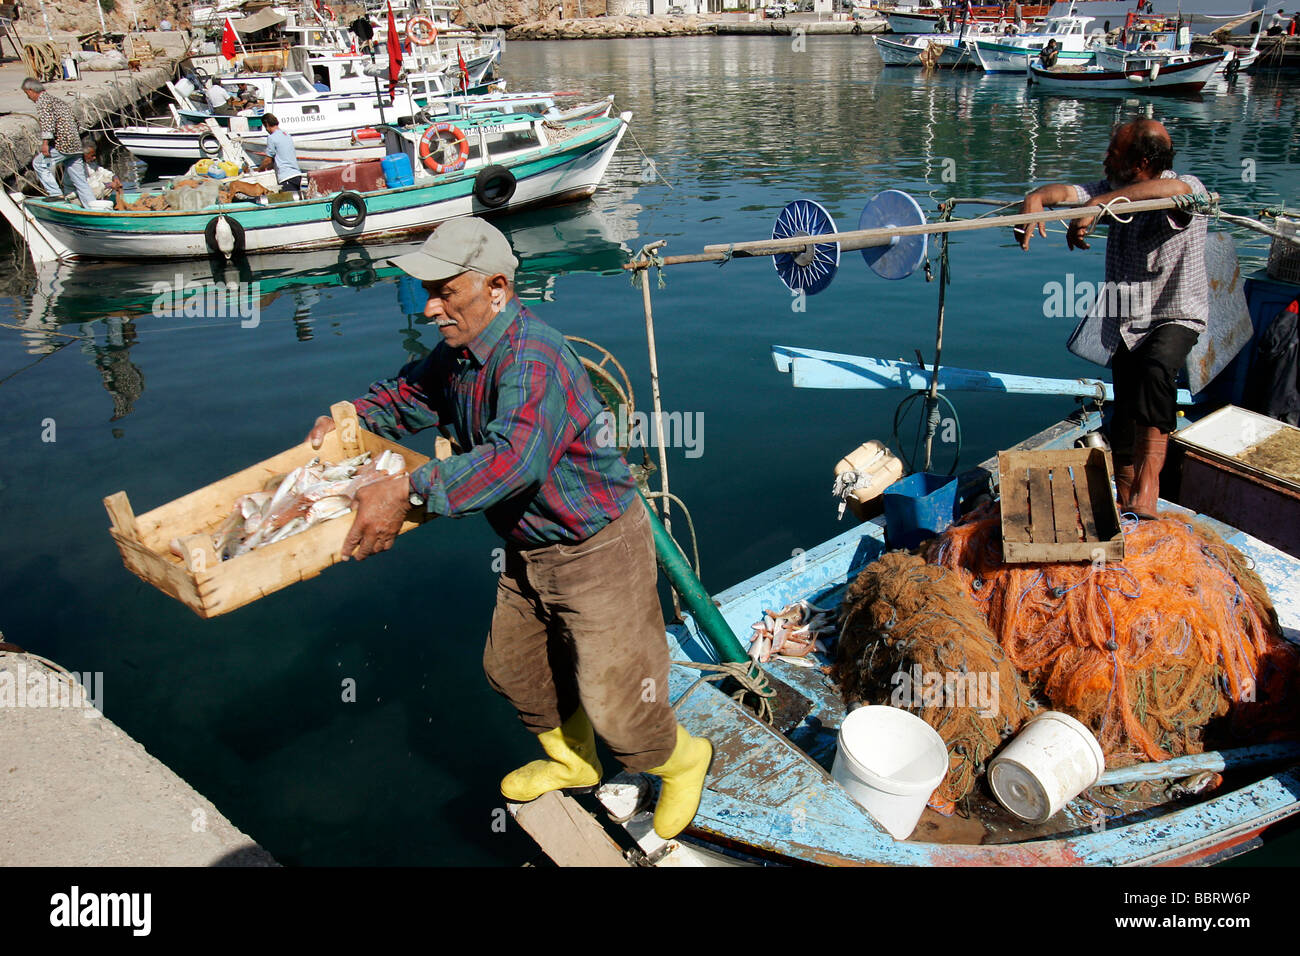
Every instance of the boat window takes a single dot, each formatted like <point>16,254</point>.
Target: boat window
<point>310,110</point>
<point>303,87</point>
<point>347,106</point>
<point>282,89</point>
<point>512,140</point>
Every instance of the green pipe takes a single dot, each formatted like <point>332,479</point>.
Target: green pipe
<point>697,600</point>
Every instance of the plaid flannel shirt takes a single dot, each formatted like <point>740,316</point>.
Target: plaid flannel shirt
<point>58,124</point>
<point>1165,253</point>
<point>521,403</point>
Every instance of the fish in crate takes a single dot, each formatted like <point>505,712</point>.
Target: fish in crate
<point>264,528</point>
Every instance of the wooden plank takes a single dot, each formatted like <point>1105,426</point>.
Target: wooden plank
<point>1083,482</point>
<point>1065,510</point>
<point>568,834</point>
<point>1042,522</point>
<point>121,515</point>
<point>1014,489</point>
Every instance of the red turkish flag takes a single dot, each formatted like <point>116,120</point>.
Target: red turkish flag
<point>464,71</point>
<point>228,40</point>
<point>394,53</point>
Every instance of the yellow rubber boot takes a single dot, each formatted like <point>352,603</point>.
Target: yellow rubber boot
<point>571,748</point>
<point>683,783</point>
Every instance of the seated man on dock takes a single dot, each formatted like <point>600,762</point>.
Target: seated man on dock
<point>1160,255</point>
<point>577,640</point>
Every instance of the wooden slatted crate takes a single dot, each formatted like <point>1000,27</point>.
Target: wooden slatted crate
<point>211,587</point>
<point>1058,506</point>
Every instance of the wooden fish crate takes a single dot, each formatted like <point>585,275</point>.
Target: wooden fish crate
<point>211,587</point>
<point>1058,506</point>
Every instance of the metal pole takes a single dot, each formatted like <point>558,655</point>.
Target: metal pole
<point>931,398</point>
<point>654,391</point>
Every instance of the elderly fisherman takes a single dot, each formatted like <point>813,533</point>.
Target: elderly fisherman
<point>60,144</point>
<point>577,640</point>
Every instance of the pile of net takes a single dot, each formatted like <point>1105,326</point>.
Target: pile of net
<point>911,638</point>
<point>1172,651</point>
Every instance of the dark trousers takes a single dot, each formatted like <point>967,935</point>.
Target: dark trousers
<point>1146,385</point>
<point>581,624</point>
<point>291,185</point>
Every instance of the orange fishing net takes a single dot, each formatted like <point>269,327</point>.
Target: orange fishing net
<point>1177,643</point>
<point>911,638</point>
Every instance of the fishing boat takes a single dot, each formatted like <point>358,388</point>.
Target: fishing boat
<point>925,18</point>
<point>1176,79</point>
<point>952,49</point>
<point>497,164</point>
<point>367,143</point>
<point>1147,44</point>
<point>188,138</point>
<point>774,793</point>
<point>1011,54</point>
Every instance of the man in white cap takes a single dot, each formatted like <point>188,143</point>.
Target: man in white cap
<point>577,640</point>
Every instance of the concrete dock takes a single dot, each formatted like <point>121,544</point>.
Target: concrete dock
<point>98,99</point>
<point>78,791</point>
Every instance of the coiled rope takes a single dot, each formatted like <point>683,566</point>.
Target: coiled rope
<point>747,674</point>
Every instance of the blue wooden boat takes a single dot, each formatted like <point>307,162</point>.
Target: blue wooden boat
<point>770,795</point>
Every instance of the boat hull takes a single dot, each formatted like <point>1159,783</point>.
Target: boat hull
<point>744,809</point>
<point>1181,79</point>
<point>568,173</point>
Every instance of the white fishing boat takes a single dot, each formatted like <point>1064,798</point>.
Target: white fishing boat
<point>1175,79</point>
<point>953,49</point>
<point>1011,54</point>
<point>496,164</point>
<point>368,143</point>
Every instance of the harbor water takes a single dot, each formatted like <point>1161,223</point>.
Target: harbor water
<point>164,390</point>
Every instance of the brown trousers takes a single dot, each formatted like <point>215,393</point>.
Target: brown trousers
<point>580,624</point>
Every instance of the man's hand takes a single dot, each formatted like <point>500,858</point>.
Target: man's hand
<point>1031,204</point>
<point>381,508</point>
<point>324,425</point>
<point>1076,235</point>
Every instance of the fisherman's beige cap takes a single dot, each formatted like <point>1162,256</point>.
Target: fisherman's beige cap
<point>468,244</point>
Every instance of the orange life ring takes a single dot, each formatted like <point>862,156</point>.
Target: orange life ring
<point>427,155</point>
<point>426,33</point>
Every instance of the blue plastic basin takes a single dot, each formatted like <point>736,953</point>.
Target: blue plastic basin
<point>918,507</point>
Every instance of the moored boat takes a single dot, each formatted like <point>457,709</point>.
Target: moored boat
<point>509,163</point>
<point>775,791</point>
<point>1011,54</point>
<point>1176,79</point>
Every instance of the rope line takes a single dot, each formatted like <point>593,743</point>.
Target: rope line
<point>747,674</point>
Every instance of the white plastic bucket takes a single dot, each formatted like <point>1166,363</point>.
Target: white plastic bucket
<point>890,761</point>
<point>1051,761</point>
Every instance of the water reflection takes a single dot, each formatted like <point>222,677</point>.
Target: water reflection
<point>115,303</point>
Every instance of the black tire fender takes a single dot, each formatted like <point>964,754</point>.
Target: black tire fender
<point>210,236</point>
<point>348,198</point>
<point>356,268</point>
<point>857,29</point>
<point>494,186</point>
<point>209,145</point>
